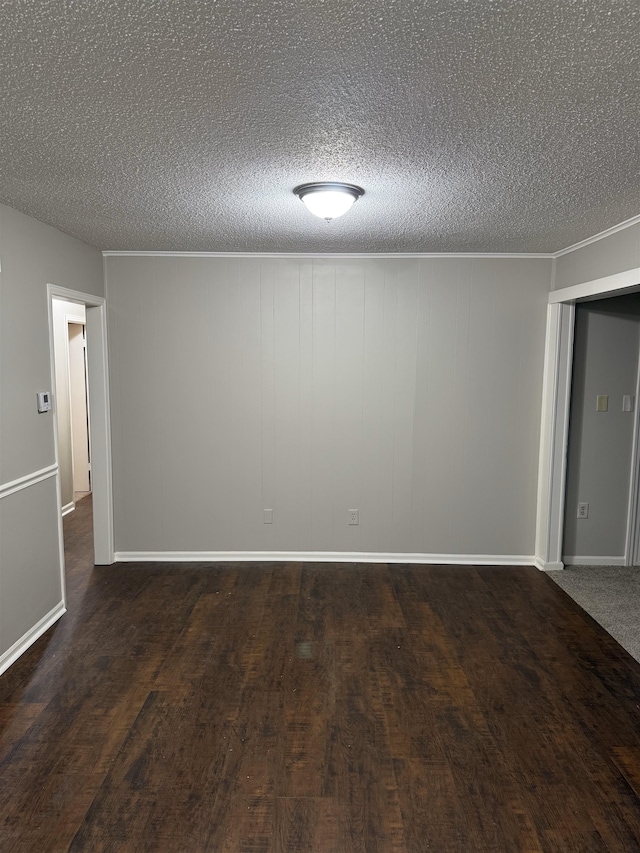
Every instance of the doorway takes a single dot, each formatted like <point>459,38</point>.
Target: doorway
<point>79,399</point>
<point>71,402</point>
<point>558,367</point>
<point>602,422</point>
<point>90,313</point>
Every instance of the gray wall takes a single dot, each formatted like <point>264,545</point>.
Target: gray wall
<point>409,389</point>
<point>607,336</point>
<point>32,255</point>
<point>613,254</point>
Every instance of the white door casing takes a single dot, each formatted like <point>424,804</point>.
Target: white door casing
<point>100,432</point>
<point>554,430</point>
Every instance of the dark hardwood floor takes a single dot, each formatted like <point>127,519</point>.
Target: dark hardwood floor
<point>275,707</point>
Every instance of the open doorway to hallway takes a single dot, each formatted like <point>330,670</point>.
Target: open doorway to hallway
<point>72,402</point>
<point>79,400</point>
<point>71,411</point>
<point>91,426</point>
<point>599,517</point>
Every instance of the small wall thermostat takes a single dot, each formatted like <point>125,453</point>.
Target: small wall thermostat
<point>44,401</point>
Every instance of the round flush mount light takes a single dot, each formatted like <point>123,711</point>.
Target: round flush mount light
<point>328,199</point>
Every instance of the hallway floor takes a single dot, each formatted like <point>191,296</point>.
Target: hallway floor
<point>611,595</point>
<point>328,708</point>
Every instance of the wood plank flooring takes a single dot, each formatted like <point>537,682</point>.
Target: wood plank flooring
<point>328,708</point>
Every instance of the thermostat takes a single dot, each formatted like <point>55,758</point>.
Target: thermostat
<point>44,401</point>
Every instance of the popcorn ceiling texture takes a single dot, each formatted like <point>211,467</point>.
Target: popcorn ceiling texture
<point>477,126</point>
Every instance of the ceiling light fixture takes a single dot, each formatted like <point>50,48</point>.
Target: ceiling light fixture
<point>328,199</point>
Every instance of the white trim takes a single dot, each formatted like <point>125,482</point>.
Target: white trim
<point>555,407</point>
<point>320,557</point>
<point>554,432</point>
<point>100,423</point>
<point>610,285</point>
<point>320,256</point>
<point>52,370</point>
<point>628,223</point>
<point>594,561</point>
<point>100,435</point>
<point>563,403</point>
<point>67,508</point>
<point>10,488</point>
<point>607,233</point>
<point>76,319</point>
<point>20,646</point>
<point>548,567</point>
<point>547,434</point>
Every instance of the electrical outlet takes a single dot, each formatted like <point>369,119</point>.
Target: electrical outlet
<point>354,516</point>
<point>268,516</point>
<point>583,510</point>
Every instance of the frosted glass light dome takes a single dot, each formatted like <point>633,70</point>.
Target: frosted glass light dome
<point>328,199</point>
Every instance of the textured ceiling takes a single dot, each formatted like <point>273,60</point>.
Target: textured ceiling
<point>473,125</point>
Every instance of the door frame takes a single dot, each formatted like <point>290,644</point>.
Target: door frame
<point>99,424</point>
<point>554,427</point>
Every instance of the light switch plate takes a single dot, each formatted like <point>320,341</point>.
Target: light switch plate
<point>44,401</point>
<point>602,403</point>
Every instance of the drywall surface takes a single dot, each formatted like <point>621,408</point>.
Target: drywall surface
<point>29,559</point>
<point>616,253</point>
<point>407,389</point>
<point>31,256</point>
<point>607,336</point>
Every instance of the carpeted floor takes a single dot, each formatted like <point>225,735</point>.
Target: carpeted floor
<point>611,595</point>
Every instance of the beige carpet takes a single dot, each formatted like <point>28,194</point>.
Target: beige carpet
<point>611,595</point>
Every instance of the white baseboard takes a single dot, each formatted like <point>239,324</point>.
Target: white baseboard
<point>594,561</point>
<point>67,508</point>
<point>20,646</point>
<point>539,563</point>
<point>320,557</point>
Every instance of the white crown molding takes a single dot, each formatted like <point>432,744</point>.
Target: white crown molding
<point>20,646</point>
<point>607,233</point>
<point>21,483</point>
<point>593,561</point>
<point>321,256</point>
<point>320,557</point>
<point>628,223</point>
